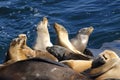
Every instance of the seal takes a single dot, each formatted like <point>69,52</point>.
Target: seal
<point>81,39</point>
<point>30,53</point>
<point>43,37</point>
<point>15,51</point>
<point>19,50</point>
<point>63,38</point>
<point>106,66</point>
<point>39,69</point>
<point>62,53</point>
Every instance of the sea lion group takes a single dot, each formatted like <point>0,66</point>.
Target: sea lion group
<point>68,60</point>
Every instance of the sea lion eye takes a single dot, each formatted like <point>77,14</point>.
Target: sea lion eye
<point>84,29</point>
<point>105,57</point>
<point>19,41</point>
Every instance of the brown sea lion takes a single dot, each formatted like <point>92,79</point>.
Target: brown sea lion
<point>39,69</point>
<point>15,51</point>
<point>19,51</point>
<point>43,37</point>
<point>81,39</point>
<point>35,53</point>
<point>63,53</point>
<point>63,38</point>
<point>106,66</point>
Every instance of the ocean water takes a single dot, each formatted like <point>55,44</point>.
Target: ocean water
<point>22,16</point>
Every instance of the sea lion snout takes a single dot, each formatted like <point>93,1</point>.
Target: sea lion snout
<point>99,61</point>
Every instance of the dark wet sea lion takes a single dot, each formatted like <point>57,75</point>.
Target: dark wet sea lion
<point>43,37</point>
<point>106,66</point>
<point>63,53</point>
<point>39,69</point>
<point>81,39</point>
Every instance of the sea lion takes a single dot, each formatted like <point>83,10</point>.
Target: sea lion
<point>35,53</point>
<point>78,65</point>
<point>39,69</point>
<point>105,66</point>
<point>63,53</point>
<point>63,38</point>
<point>81,39</point>
<point>30,53</point>
<point>19,51</point>
<point>43,37</point>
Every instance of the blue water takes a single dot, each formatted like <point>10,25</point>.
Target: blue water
<point>21,16</point>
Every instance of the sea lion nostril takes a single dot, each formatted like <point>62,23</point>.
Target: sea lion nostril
<point>98,62</point>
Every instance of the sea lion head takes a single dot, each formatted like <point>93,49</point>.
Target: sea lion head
<point>17,43</point>
<point>86,31</point>
<point>61,31</point>
<point>108,55</point>
<point>105,66</point>
<point>104,57</point>
<point>43,24</point>
<point>63,53</point>
<point>16,46</point>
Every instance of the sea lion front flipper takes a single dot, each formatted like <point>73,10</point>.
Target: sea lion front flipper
<point>78,65</point>
<point>45,55</point>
